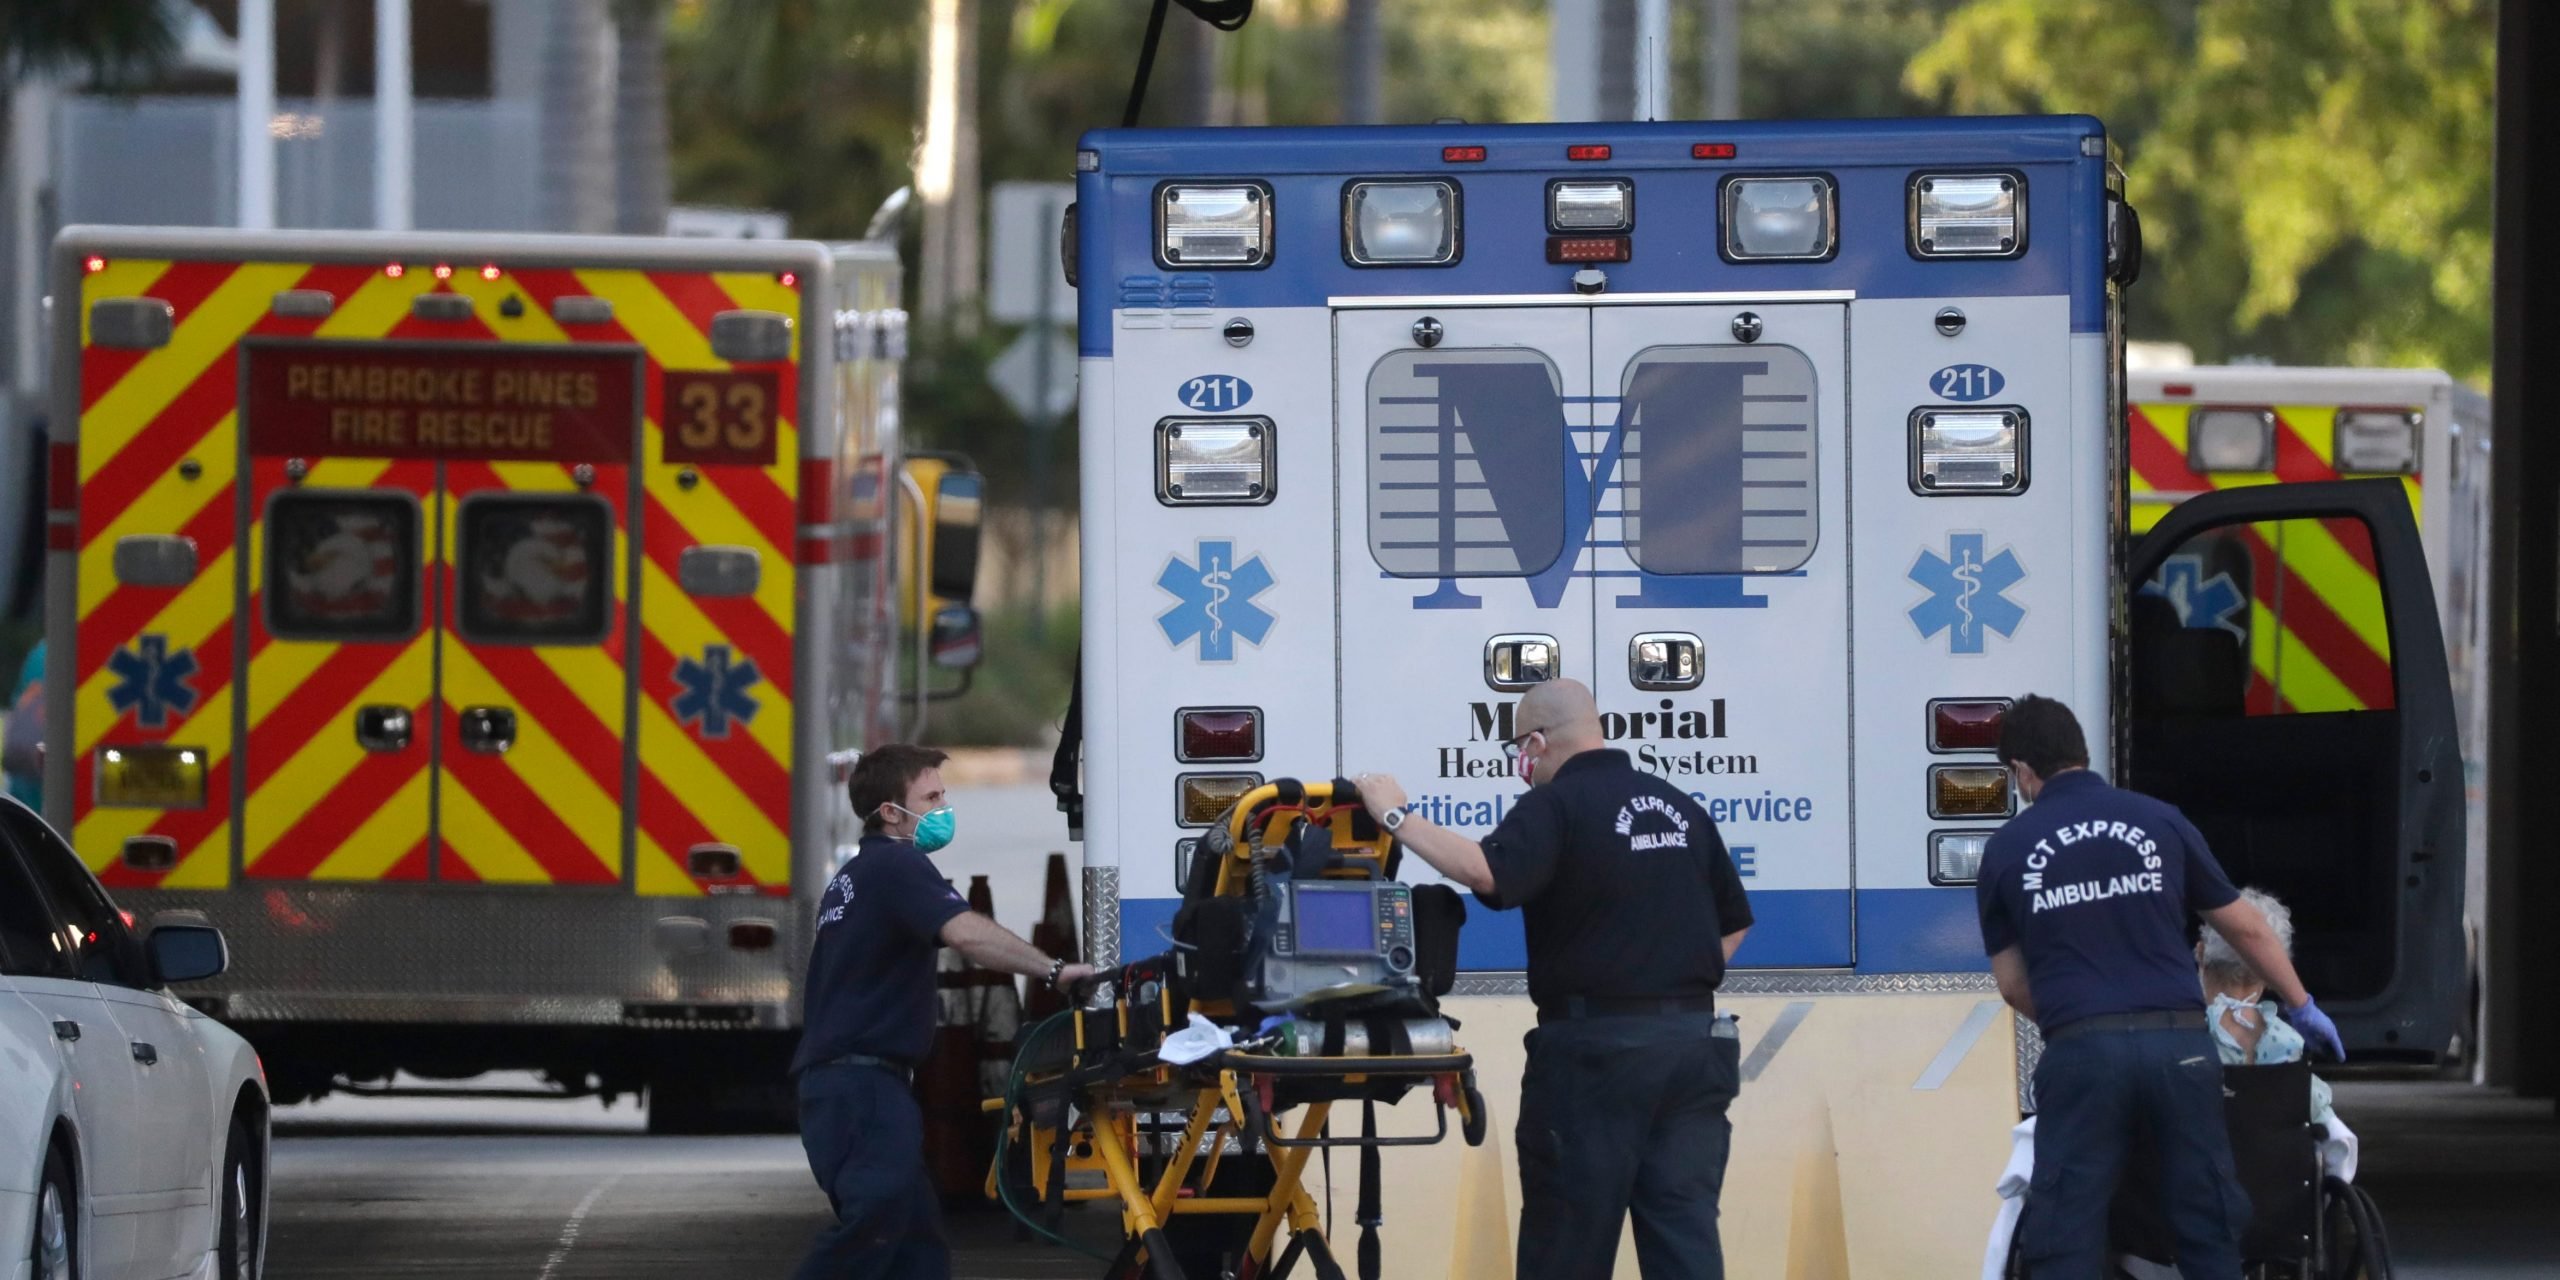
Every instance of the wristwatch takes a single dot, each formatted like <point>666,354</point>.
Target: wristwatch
<point>1393,822</point>
<point>1056,967</point>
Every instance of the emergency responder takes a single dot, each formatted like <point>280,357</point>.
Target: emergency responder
<point>871,1004</point>
<point>2085,900</point>
<point>1632,909</point>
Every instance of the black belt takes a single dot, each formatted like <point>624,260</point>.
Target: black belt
<point>2160,1020</point>
<point>1572,1007</point>
<point>891,1065</point>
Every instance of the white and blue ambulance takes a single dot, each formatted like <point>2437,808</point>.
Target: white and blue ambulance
<point>1801,443</point>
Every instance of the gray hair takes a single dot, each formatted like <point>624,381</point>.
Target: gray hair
<point>2223,966</point>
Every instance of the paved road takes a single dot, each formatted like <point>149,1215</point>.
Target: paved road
<point>519,1190</point>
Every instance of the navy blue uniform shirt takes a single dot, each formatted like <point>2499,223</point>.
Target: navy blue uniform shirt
<point>2094,885</point>
<point>871,976</point>
<point>1625,887</point>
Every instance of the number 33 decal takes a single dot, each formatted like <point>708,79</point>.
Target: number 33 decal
<point>719,418</point>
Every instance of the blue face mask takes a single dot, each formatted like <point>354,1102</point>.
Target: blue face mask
<point>933,830</point>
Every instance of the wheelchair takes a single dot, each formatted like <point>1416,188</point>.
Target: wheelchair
<point>2304,1224</point>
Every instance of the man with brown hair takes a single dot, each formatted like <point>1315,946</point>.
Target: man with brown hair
<point>870,1015</point>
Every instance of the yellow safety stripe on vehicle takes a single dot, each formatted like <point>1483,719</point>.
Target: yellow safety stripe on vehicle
<point>385,837</point>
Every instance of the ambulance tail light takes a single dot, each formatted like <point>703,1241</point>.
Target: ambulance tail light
<point>1966,724</point>
<point>1780,219</point>
<point>1970,215</point>
<point>1563,249</point>
<point>1213,461</point>
<point>146,776</point>
<point>1968,791</point>
<point>1955,857</point>
<point>1214,225</point>
<point>1400,224</point>
<point>1219,735</point>
<point>1202,798</point>
<point>1970,451</point>
<point>2378,441</point>
<point>2231,440</point>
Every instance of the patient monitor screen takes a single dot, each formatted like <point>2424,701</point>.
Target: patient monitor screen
<point>1336,921</point>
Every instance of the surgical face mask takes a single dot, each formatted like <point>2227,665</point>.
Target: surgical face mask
<point>933,830</point>
<point>1527,764</point>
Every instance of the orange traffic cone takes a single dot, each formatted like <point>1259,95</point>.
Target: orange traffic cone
<point>1056,935</point>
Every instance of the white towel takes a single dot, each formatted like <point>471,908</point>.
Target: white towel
<point>2012,1187</point>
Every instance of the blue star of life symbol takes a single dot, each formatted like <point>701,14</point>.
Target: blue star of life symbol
<point>715,691</point>
<point>1215,600</point>
<point>1968,593</point>
<point>2201,602</point>
<point>151,681</point>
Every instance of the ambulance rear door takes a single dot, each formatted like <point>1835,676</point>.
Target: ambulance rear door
<point>1464,439</point>
<point>2310,735</point>
<point>1721,600</point>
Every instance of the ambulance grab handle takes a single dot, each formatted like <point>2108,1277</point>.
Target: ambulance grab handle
<point>488,730</point>
<point>384,728</point>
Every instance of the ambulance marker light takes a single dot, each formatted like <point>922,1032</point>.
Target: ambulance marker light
<point>1563,249</point>
<point>1218,734</point>
<point>95,264</point>
<point>1214,461</point>
<point>2231,440</point>
<point>1206,797</point>
<point>1221,225</point>
<point>489,272</point>
<point>1591,206</point>
<point>1968,451</point>
<point>790,279</point>
<point>395,271</point>
<point>1968,791</point>
<point>1779,218</point>
<point>2178,389</point>
<point>1587,151</point>
<point>1966,724</point>
<point>2371,441</point>
<point>1979,215</point>
<point>1400,223</point>
<point>1712,151</point>
<point>444,271</point>
<point>1461,155</point>
<point>1955,857</point>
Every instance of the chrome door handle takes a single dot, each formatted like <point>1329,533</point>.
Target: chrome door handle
<point>488,730</point>
<point>145,1054</point>
<point>383,728</point>
<point>1514,662</point>
<point>65,1029</point>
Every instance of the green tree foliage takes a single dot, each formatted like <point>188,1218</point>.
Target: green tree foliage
<point>116,43</point>
<point>2313,175</point>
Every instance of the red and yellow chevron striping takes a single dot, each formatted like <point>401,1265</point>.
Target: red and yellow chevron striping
<point>611,771</point>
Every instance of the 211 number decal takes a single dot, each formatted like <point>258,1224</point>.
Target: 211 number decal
<point>1965,383</point>
<point>719,419</point>
<point>1214,393</point>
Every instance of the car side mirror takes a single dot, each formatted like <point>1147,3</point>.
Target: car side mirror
<point>955,643</point>
<point>187,953</point>
<point>958,500</point>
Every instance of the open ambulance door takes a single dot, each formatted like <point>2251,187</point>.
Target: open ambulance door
<point>2287,689</point>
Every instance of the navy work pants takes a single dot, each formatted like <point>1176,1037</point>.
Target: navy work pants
<point>1620,1114</point>
<point>2097,1094</point>
<point>865,1138</point>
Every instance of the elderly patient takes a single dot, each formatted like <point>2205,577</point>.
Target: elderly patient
<point>2247,1032</point>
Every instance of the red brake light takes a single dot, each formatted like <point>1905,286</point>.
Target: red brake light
<point>1587,249</point>
<point>1711,151</point>
<point>1966,724</point>
<point>1461,155</point>
<point>1218,733</point>
<point>1587,151</point>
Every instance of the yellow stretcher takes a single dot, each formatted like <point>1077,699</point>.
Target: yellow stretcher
<point>1204,1159</point>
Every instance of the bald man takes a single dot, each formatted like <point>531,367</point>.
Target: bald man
<point>1632,907</point>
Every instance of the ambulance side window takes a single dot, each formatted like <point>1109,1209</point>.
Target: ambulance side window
<point>342,566</point>
<point>1718,460</point>
<point>2273,618</point>
<point>1468,456</point>
<point>534,569</point>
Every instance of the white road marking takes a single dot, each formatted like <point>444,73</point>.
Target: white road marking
<point>570,1230</point>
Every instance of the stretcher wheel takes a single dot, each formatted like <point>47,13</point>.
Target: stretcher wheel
<point>1476,1121</point>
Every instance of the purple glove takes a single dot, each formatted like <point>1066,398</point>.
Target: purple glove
<point>2316,1028</point>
